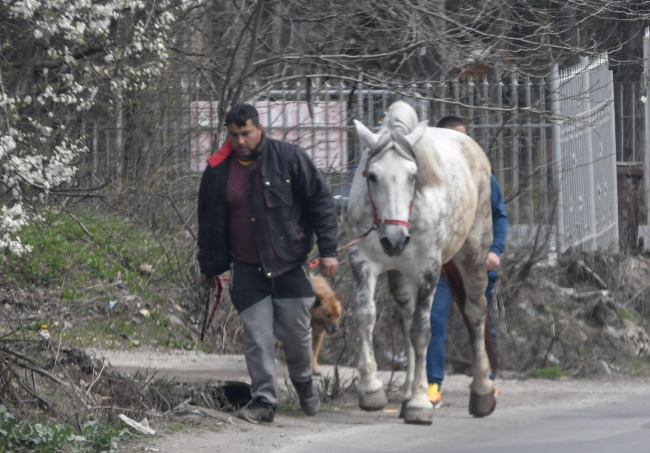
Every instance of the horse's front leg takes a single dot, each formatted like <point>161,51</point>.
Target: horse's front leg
<point>402,290</point>
<point>371,389</point>
<point>419,409</point>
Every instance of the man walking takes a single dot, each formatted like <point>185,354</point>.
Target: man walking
<point>443,297</point>
<point>260,203</point>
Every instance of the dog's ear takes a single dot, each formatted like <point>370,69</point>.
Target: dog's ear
<point>339,297</point>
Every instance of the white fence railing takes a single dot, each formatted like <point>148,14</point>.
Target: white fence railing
<point>584,154</point>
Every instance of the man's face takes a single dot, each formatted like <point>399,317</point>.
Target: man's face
<point>245,140</point>
<point>460,129</point>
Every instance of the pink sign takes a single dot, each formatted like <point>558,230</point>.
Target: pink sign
<point>323,134</point>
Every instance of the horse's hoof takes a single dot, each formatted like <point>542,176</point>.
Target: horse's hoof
<point>482,405</point>
<point>402,411</point>
<point>417,415</point>
<point>373,401</point>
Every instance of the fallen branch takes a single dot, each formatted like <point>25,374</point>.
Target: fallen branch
<point>38,397</point>
<point>96,379</point>
<point>41,371</point>
<point>591,273</point>
<point>20,355</point>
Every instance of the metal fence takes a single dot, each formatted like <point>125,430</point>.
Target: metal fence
<point>585,156</point>
<point>508,118</point>
<point>511,118</point>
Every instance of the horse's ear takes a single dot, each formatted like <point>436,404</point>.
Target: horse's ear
<point>365,135</point>
<point>417,133</point>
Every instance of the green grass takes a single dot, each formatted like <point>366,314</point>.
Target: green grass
<point>638,367</point>
<point>112,333</point>
<point>30,436</point>
<point>65,255</point>
<point>626,314</point>
<point>78,265</point>
<point>177,427</point>
<point>549,372</point>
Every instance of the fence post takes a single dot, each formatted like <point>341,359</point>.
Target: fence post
<point>485,102</point>
<point>560,245</point>
<point>470,102</point>
<point>530,212</point>
<point>610,74</point>
<point>514,150</point>
<point>646,163</point>
<point>500,175</point>
<point>543,148</point>
<point>586,90</point>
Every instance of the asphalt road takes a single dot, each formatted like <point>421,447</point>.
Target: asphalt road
<point>606,415</point>
<point>615,427</point>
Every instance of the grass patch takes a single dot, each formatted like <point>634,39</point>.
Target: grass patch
<point>120,331</point>
<point>549,372</point>
<point>638,367</point>
<point>68,255</point>
<point>29,436</point>
<point>177,427</point>
<point>626,314</point>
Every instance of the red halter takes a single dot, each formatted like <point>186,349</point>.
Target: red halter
<point>379,220</point>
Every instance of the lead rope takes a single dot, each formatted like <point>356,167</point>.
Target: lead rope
<point>208,314</point>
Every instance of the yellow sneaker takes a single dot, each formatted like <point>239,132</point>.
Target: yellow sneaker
<point>435,396</point>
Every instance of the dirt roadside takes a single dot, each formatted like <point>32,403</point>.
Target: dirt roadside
<point>202,434</point>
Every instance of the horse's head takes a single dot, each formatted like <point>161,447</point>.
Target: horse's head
<point>392,174</point>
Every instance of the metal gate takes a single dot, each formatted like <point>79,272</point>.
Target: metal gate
<point>584,155</point>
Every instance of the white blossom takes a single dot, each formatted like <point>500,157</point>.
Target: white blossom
<point>37,151</point>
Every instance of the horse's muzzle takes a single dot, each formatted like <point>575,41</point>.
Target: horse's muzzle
<point>394,239</point>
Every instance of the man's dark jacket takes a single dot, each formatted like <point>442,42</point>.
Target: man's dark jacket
<point>289,202</point>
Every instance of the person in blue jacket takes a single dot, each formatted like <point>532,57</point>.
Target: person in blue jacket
<point>443,297</point>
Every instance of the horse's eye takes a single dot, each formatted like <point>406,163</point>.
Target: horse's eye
<point>411,178</point>
<point>373,177</point>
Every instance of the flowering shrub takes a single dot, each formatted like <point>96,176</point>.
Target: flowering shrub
<point>57,58</point>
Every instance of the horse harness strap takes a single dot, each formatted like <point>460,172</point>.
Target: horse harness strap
<point>316,261</point>
<point>376,219</point>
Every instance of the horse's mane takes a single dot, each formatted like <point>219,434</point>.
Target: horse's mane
<point>401,117</point>
<point>400,121</point>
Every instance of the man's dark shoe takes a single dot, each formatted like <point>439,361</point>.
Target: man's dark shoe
<point>309,400</point>
<point>257,411</point>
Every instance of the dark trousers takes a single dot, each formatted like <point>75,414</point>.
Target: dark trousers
<point>271,308</point>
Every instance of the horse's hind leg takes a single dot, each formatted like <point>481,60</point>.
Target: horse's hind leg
<point>401,289</point>
<point>371,389</point>
<point>483,395</point>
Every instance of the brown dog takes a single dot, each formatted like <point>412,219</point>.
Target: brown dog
<point>325,315</point>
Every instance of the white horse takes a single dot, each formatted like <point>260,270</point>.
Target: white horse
<point>428,192</point>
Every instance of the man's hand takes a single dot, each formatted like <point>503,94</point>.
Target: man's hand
<point>493,261</point>
<point>203,281</point>
<point>329,267</point>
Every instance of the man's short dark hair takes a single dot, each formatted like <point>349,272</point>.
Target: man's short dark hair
<point>450,122</point>
<point>241,113</point>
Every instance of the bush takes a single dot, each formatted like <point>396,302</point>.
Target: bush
<point>22,436</point>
